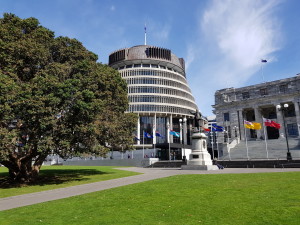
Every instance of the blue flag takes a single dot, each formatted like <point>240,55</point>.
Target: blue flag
<point>157,134</point>
<point>136,138</point>
<point>215,127</point>
<point>147,135</point>
<point>174,133</point>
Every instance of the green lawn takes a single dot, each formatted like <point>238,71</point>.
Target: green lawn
<point>268,198</point>
<point>62,176</point>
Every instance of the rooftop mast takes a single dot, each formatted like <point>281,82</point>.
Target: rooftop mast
<point>145,34</point>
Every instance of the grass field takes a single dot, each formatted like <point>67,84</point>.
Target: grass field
<point>52,177</point>
<point>266,198</point>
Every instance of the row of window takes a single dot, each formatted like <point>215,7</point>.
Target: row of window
<point>254,93</point>
<point>161,99</point>
<point>148,66</point>
<point>157,81</point>
<point>159,73</point>
<point>160,90</point>
<point>158,108</point>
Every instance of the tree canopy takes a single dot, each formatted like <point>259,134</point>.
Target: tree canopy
<point>55,98</point>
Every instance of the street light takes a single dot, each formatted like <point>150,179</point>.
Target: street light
<point>182,123</point>
<point>283,109</point>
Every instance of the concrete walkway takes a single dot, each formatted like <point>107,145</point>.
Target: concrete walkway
<point>148,174</point>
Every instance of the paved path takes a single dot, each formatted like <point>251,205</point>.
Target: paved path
<point>148,174</point>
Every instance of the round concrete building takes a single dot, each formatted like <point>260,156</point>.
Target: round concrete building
<point>159,93</point>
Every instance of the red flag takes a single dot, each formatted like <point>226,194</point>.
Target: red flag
<point>271,123</point>
<point>276,125</point>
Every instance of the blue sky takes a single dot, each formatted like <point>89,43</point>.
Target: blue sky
<point>222,41</point>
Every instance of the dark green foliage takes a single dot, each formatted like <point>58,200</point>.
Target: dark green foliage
<point>55,98</point>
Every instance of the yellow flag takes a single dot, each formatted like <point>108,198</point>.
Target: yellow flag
<point>256,126</point>
<point>249,126</point>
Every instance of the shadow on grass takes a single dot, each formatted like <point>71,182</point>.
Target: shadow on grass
<point>51,176</point>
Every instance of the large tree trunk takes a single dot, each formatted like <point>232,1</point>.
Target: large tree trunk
<point>21,170</point>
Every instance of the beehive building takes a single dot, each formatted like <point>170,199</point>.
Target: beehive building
<point>159,93</point>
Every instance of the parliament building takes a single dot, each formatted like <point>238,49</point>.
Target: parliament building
<point>276,100</point>
<point>159,93</point>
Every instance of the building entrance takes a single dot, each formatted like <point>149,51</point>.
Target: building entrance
<point>163,154</point>
<point>272,133</point>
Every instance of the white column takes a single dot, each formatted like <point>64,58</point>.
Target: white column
<point>171,128</point>
<point>241,123</point>
<point>138,133</point>
<point>154,129</point>
<point>185,131</point>
<point>280,120</point>
<point>296,104</point>
<point>258,119</point>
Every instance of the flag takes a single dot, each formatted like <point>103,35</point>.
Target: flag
<point>256,126</point>
<point>271,123</point>
<point>206,129</point>
<point>147,135</point>
<point>248,124</point>
<point>264,61</point>
<point>174,133</point>
<point>158,134</point>
<point>215,127</point>
<point>252,125</point>
<point>136,138</point>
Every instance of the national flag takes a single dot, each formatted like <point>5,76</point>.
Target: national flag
<point>248,124</point>
<point>252,125</point>
<point>157,134</point>
<point>174,133</point>
<point>256,126</point>
<point>147,135</point>
<point>136,138</point>
<point>264,61</point>
<point>271,123</point>
<point>206,129</point>
<point>217,128</point>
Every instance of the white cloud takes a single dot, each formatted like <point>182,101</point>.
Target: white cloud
<point>244,32</point>
<point>234,36</point>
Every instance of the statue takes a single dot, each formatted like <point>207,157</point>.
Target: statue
<point>197,118</point>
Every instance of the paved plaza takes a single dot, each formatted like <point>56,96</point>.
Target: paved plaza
<point>147,174</point>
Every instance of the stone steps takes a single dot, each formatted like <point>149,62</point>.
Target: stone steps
<point>277,149</point>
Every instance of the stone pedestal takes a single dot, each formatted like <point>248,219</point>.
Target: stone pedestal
<point>199,159</point>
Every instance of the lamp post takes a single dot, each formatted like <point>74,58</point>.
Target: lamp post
<point>182,123</point>
<point>283,109</point>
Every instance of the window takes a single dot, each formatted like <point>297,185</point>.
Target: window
<point>292,129</point>
<point>146,65</point>
<point>226,116</point>
<point>290,111</point>
<point>162,67</point>
<point>245,95</point>
<point>154,66</point>
<point>263,91</point>
<point>137,65</point>
<point>129,66</point>
<point>283,88</point>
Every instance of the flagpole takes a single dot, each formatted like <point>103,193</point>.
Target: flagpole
<point>246,141</point>
<point>143,143</point>
<point>145,34</point>
<point>266,139</point>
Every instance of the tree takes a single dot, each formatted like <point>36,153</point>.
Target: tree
<point>55,98</point>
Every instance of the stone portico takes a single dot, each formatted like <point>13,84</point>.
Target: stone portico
<point>255,102</point>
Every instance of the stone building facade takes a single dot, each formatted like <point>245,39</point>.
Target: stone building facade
<point>255,102</point>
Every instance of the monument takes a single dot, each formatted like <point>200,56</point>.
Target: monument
<point>199,159</point>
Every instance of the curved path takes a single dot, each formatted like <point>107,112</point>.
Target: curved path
<point>148,174</point>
